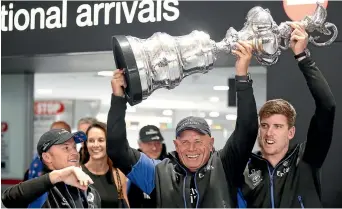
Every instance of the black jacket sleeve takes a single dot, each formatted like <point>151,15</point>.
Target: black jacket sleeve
<point>236,152</point>
<point>21,195</point>
<point>123,156</point>
<point>320,131</point>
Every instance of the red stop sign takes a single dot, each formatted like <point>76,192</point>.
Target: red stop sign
<point>4,127</point>
<point>48,108</point>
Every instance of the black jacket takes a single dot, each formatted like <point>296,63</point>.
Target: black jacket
<point>41,193</point>
<point>136,197</point>
<point>168,181</point>
<point>295,180</point>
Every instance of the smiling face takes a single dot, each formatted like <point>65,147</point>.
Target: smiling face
<point>60,156</point>
<point>96,143</point>
<point>193,149</point>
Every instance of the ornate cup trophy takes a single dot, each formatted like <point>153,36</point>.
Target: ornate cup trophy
<point>162,61</point>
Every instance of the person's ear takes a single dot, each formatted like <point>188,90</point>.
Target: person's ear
<point>292,132</point>
<point>212,140</point>
<point>175,142</point>
<point>47,157</point>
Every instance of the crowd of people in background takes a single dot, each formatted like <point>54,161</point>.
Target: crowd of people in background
<point>114,189</point>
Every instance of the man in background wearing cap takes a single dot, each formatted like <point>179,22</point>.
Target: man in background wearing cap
<point>151,144</point>
<point>194,175</point>
<point>63,183</point>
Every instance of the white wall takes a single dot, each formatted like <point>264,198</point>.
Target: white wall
<point>17,112</point>
<point>84,108</point>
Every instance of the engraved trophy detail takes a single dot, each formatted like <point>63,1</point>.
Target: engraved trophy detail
<point>162,60</point>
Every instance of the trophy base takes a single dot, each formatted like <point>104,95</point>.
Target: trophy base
<point>124,59</point>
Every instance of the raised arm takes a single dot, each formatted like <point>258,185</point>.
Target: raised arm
<point>237,149</point>
<point>321,127</point>
<point>320,131</point>
<point>135,165</point>
<point>123,156</point>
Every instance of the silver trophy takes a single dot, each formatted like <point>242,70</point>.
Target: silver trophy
<point>162,61</point>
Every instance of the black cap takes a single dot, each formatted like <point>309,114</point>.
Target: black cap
<point>58,136</point>
<point>193,123</point>
<point>150,133</point>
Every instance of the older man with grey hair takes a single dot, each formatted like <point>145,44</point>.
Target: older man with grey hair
<point>84,123</point>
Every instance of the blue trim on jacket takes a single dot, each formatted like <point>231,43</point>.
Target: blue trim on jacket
<point>143,173</point>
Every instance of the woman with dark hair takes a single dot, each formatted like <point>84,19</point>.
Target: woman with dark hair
<point>110,182</point>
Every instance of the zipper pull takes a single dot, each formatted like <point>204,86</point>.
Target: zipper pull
<point>301,201</point>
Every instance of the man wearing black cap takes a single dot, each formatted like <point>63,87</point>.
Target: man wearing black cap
<point>63,183</point>
<point>194,175</point>
<point>151,142</point>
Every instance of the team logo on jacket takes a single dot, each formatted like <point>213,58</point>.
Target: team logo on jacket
<point>64,202</point>
<point>255,177</point>
<point>283,170</point>
<point>90,197</point>
<point>208,168</point>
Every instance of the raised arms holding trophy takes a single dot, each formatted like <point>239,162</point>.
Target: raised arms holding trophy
<point>294,168</point>
<point>162,61</point>
<point>195,175</point>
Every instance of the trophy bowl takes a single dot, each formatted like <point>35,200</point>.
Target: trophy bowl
<point>162,60</point>
<point>124,59</point>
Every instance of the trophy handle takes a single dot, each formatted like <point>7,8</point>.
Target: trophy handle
<point>316,22</point>
<point>325,30</point>
<point>124,59</point>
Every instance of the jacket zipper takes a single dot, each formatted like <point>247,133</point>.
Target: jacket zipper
<point>272,186</point>
<point>186,175</point>
<point>198,195</point>
<point>71,198</point>
<point>301,201</point>
<point>184,181</point>
<point>184,198</point>
<point>271,173</point>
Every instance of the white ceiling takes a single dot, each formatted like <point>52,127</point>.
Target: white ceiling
<point>193,94</point>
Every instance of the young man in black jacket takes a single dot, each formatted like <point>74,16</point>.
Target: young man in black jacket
<point>63,184</point>
<point>151,144</point>
<point>281,176</point>
<point>194,175</point>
